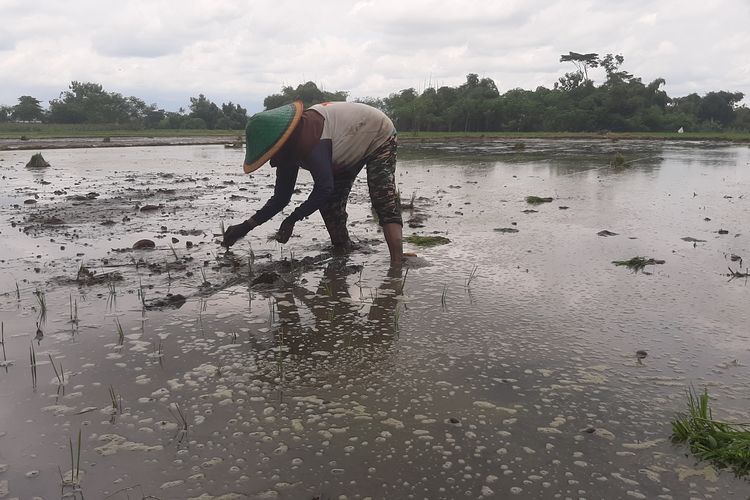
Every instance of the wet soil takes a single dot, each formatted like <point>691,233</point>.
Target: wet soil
<point>511,365</point>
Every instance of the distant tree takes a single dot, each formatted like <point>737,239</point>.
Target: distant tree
<point>582,62</point>
<point>28,109</point>
<point>172,120</point>
<point>235,116</point>
<point>719,107</point>
<point>375,102</point>
<point>89,102</point>
<point>611,65</point>
<point>203,109</point>
<point>194,123</point>
<point>5,113</point>
<point>308,93</point>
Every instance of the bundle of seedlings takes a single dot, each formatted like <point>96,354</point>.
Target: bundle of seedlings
<point>726,445</point>
<point>636,264</point>
<point>538,200</point>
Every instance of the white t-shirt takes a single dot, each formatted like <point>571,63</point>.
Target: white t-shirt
<point>356,130</point>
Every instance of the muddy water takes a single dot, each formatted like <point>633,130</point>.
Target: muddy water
<point>500,365</point>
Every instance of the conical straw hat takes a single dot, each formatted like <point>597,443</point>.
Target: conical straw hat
<point>267,131</point>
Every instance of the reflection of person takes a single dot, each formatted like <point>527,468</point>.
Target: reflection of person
<point>333,141</point>
<point>336,318</point>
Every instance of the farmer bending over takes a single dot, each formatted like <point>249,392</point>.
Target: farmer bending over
<point>333,141</point>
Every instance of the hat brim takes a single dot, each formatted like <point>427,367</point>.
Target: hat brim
<point>255,165</point>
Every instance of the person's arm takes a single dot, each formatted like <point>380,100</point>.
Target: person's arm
<point>318,162</point>
<point>286,178</point>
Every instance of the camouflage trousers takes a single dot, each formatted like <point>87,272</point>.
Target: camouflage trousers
<point>381,180</point>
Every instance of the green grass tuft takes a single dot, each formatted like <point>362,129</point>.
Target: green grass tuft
<point>725,445</point>
<point>426,241</point>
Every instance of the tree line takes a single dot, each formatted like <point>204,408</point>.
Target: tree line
<point>89,103</point>
<point>622,102</point>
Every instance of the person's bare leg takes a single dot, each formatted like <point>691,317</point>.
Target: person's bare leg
<point>393,234</point>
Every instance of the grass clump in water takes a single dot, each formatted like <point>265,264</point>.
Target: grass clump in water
<point>618,160</point>
<point>637,263</point>
<point>725,445</point>
<point>427,241</point>
<point>536,200</point>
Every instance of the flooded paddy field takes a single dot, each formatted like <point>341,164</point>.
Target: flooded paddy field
<point>514,361</point>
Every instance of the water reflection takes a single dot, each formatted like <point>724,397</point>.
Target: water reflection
<point>331,320</point>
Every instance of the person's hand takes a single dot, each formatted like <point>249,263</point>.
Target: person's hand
<point>284,232</point>
<point>234,233</point>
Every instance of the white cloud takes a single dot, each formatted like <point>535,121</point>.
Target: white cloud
<point>167,50</point>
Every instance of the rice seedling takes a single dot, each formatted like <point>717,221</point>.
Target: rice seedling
<point>32,360</point>
<point>18,292</point>
<point>180,420</point>
<point>738,274</point>
<point>444,296</point>
<point>120,332</point>
<point>726,445</point>
<point>205,282</point>
<point>75,466</point>
<point>410,205</point>
<point>142,296</point>
<point>112,296</point>
<point>41,300</point>
<point>61,374</point>
<point>403,282</point>
<point>396,316</point>
<point>222,229</point>
<point>537,200</point>
<point>472,275</point>
<point>73,310</point>
<point>2,340</point>
<point>618,160</point>
<point>637,264</point>
<point>115,399</point>
<point>174,253</point>
<point>271,311</point>
<point>39,333</point>
<point>426,241</point>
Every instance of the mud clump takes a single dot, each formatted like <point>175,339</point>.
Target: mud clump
<point>506,230</point>
<point>37,161</point>
<point>143,244</point>
<point>171,301</point>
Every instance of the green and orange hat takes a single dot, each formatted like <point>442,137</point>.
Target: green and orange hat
<point>267,131</point>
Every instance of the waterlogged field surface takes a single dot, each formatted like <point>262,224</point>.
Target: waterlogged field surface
<point>501,364</point>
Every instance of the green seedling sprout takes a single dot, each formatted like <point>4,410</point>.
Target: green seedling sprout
<point>73,310</point>
<point>471,277</point>
<point>75,465</point>
<point>120,332</point>
<point>32,360</point>
<point>115,399</point>
<point>41,299</point>
<point>61,374</point>
<point>174,252</point>
<point>403,282</point>
<point>2,341</point>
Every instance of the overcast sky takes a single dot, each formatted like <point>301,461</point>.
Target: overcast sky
<point>241,51</point>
